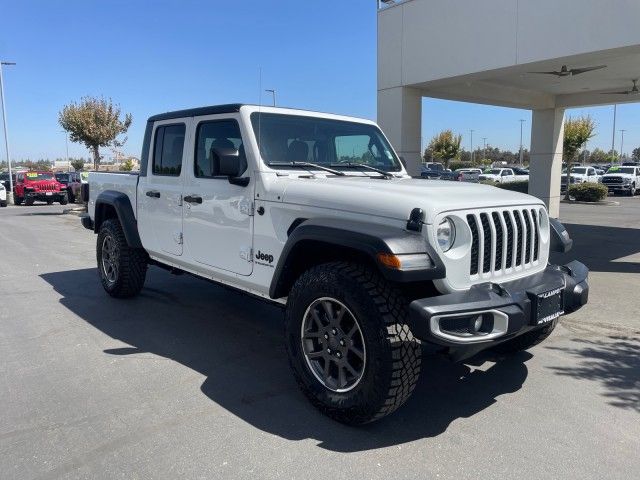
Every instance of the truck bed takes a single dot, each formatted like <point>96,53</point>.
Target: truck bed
<point>125,182</point>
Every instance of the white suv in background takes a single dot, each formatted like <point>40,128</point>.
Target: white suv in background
<point>3,195</point>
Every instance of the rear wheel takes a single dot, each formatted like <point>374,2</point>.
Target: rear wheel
<point>525,341</point>
<point>349,348</point>
<point>122,269</point>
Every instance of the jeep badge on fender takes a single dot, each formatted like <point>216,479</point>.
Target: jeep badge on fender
<point>362,280</point>
<point>264,257</point>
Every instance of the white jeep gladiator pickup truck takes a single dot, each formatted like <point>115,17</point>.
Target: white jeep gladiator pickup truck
<point>625,179</point>
<point>316,213</point>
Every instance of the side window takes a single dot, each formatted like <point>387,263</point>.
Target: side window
<point>213,138</point>
<point>167,150</point>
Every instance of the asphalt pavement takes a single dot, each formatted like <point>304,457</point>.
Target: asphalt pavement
<point>190,380</point>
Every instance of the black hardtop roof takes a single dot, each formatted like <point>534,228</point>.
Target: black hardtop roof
<point>195,112</point>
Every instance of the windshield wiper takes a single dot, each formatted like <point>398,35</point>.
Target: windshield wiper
<point>366,167</point>
<point>306,165</point>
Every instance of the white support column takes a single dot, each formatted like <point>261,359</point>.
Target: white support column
<point>547,130</point>
<point>400,117</point>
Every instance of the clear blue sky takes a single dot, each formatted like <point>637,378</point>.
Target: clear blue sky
<point>156,56</point>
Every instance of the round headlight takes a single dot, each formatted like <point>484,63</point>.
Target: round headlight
<point>446,234</point>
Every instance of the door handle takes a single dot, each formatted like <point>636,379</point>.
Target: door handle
<point>193,199</point>
<point>153,194</point>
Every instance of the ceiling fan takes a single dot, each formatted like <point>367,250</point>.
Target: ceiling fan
<point>634,90</point>
<point>568,72</point>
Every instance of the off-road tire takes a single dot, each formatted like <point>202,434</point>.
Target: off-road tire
<point>632,190</point>
<point>17,200</point>
<point>132,263</point>
<point>64,200</point>
<point>28,201</point>
<point>393,354</point>
<point>526,340</point>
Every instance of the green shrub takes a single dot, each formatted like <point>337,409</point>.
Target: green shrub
<point>522,187</point>
<point>588,192</point>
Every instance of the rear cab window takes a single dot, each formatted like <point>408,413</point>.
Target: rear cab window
<point>168,149</point>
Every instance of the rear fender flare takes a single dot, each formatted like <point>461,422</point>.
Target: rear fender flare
<point>124,211</point>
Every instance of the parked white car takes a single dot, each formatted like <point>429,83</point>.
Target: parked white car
<point>499,175</point>
<point>583,175</point>
<point>316,213</point>
<point>3,195</point>
<point>622,180</point>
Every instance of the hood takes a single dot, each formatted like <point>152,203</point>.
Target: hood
<point>397,197</point>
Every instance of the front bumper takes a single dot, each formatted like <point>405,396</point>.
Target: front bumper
<point>46,195</point>
<point>509,309</point>
<point>618,187</point>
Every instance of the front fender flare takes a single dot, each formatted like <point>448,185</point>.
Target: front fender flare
<point>367,238</point>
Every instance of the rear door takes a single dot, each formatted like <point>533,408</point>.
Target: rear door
<point>218,215</point>
<point>160,191</point>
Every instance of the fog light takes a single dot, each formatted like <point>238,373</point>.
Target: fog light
<point>476,324</point>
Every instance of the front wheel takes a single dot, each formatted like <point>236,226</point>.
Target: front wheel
<point>63,200</point>
<point>348,346</point>
<point>122,269</point>
<point>632,190</point>
<point>28,201</point>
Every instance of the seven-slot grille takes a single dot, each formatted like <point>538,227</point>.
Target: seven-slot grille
<point>503,239</point>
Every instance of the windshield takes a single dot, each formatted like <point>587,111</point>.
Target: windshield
<point>62,177</point>
<point>628,170</point>
<point>578,170</point>
<point>494,171</point>
<point>289,138</point>
<point>35,176</point>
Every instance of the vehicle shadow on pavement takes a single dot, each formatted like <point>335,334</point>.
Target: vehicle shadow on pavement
<point>613,362</point>
<point>599,246</point>
<point>237,343</point>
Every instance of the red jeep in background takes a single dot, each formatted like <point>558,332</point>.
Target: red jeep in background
<point>43,186</point>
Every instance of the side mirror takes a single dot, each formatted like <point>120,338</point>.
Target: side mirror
<point>231,164</point>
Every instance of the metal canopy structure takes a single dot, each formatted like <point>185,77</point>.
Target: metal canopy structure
<point>489,52</point>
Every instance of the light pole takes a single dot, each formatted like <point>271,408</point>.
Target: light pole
<point>521,123</point>
<point>613,135</point>
<point>6,135</point>
<point>622,144</point>
<point>471,147</point>
<point>484,148</point>
<point>272,92</point>
<point>66,141</point>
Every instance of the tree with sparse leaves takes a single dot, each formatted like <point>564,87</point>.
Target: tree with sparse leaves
<point>445,146</point>
<point>77,164</point>
<point>577,132</point>
<point>96,123</point>
<point>127,165</point>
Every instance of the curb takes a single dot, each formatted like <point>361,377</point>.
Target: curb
<point>77,211</point>
<point>605,203</point>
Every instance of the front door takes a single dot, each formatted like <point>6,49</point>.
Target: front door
<point>160,191</point>
<point>218,218</point>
